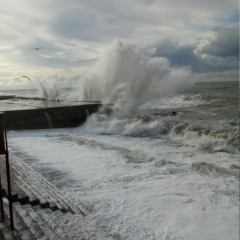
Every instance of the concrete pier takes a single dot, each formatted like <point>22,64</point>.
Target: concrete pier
<point>33,113</point>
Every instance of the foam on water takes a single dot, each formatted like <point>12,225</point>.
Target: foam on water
<point>175,101</point>
<point>140,174</point>
<point>202,136</point>
<point>174,192</point>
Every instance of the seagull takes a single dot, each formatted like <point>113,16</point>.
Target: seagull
<point>37,48</point>
<point>26,77</point>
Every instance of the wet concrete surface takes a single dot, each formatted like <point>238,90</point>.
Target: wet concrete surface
<point>33,113</point>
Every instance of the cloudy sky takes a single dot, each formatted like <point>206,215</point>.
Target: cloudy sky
<point>200,36</point>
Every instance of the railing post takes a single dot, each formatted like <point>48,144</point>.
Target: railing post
<point>1,201</point>
<point>4,151</point>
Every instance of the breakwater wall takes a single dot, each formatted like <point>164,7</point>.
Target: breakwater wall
<point>50,117</point>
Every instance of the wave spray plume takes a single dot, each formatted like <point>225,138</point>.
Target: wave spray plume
<point>125,77</point>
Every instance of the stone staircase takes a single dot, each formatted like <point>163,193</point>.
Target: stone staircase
<point>41,211</point>
<point>35,221</point>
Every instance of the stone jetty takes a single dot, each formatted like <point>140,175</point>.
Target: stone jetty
<point>36,113</point>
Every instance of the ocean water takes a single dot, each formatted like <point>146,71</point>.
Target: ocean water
<point>162,164</point>
<point>151,174</point>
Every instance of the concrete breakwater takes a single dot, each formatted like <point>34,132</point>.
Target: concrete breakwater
<point>24,114</point>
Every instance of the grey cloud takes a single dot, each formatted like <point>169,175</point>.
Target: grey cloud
<point>86,26</point>
<point>74,33</point>
<point>90,22</point>
<point>220,54</point>
<point>225,44</point>
<point>179,55</point>
<point>145,2</point>
<point>214,64</point>
<point>100,21</point>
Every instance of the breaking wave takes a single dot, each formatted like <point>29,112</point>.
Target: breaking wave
<point>130,79</point>
<point>212,170</point>
<point>127,77</point>
<point>177,101</point>
<point>197,135</point>
<point>206,138</point>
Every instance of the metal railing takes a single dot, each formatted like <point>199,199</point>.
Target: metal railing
<point>4,151</point>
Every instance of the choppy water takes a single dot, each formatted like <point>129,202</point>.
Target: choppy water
<point>154,174</point>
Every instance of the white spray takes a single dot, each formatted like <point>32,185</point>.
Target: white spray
<point>124,77</point>
<point>50,93</point>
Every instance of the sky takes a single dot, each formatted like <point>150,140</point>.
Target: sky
<point>60,40</point>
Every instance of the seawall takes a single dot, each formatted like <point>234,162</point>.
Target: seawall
<point>24,114</point>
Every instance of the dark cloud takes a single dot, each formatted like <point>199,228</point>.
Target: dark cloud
<point>221,54</point>
<point>73,34</point>
<point>213,64</point>
<point>225,43</point>
<point>179,55</point>
<point>230,19</point>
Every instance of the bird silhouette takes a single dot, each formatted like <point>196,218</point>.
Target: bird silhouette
<point>26,77</point>
<point>37,48</point>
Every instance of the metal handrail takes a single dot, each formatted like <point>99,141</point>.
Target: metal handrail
<point>4,151</point>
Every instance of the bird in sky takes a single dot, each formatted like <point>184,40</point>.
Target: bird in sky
<point>37,48</point>
<point>26,77</point>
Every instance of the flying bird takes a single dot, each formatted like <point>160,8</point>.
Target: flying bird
<point>37,48</point>
<point>26,77</point>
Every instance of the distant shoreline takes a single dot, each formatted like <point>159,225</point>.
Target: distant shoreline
<point>72,87</point>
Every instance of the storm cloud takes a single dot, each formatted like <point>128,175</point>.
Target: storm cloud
<point>224,44</point>
<point>74,34</point>
<point>221,53</point>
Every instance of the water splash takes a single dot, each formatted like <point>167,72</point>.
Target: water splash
<point>124,76</point>
<point>49,121</point>
<point>49,93</point>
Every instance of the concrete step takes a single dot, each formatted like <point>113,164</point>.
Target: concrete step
<point>35,213</point>
<point>35,230</point>
<point>44,222</point>
<point>21,230</point>
<point>37,185</point>
<point>16,191</point>
<point>52,224</point>
<point>29,223</point>
<point>6,233</point>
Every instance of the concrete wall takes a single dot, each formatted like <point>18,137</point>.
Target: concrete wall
<point>57,117</point>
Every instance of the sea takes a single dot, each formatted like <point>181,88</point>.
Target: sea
<point>169,170</point>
